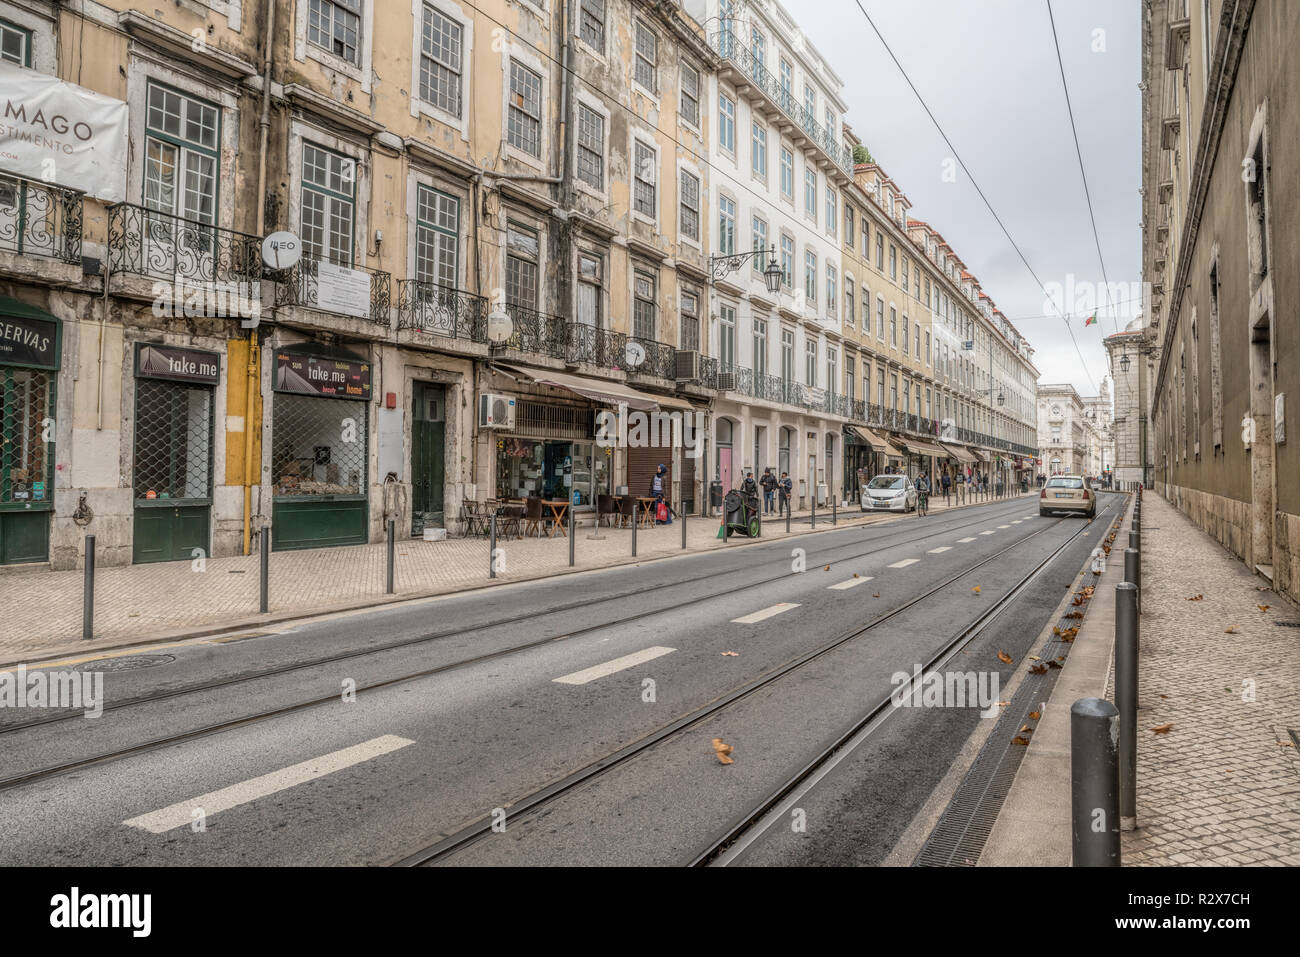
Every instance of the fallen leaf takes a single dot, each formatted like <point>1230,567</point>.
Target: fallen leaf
<point>1078,600</point>
<point>876,595</point>
<point>1035,715</point>
<point>1286,744</point>
<point>1054,664</point>
<point>1019,740</point>
<point>1038,669</point>
<point>1196,598</point>
<point>1003,704</point>
<point>827,568</point>
<point>1162,729</point>
<point>1005,658</point>
<point>1164,696</point>
<point>976,589</point>
<point>1074,615</point>
<point>723,751</point>
<point>855,574</point>
<point>1035,658</point>
<point>1263,607</point>
<point>1056,629</point>
<point>1070,633</point>
<point>1231,630</point>
<point>1026,729</point>
<point>732,654</point>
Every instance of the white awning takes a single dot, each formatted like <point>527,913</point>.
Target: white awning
<point>599,390</point>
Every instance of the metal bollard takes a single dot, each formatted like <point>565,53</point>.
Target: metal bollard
<point>88,592</point>
<point>789,510</point>
<point>759,516</point>
<point>1135,539</point>
<point>1133,571</point>
<point>264,572</point>
<point>571,536</point>
<point>1094,784</point>
<point>636,520</point>
<point>1127,636</point>
<point>834,512</point>
<point>492,548</point>
<point>812,501</point>
<point>392,555</point>
<point>683,518</point>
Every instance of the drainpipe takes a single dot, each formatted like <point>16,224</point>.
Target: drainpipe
<point>252,375</point>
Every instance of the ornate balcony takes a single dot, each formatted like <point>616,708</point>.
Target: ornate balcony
<point>591,346</point>
<point>311,284</point>
<point>660,359</point>
<point>429,308</point>
<point>143,242</point>
<point>730,48</point>
<point>538,333</point>
<point>38,219</point>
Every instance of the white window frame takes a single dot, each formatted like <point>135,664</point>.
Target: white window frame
<point>594,105</point>
<point>637,26</point>
<point>648,144</point>
<point>527,58</point>
<point>361,71</point>
<point>689,169</point>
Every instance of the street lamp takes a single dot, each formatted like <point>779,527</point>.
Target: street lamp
<point>720,266</point>
<point>1124,362</point>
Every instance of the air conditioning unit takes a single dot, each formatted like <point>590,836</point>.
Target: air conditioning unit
<point>496,411</point>
<point>726,381</point>
<point>688,365</point>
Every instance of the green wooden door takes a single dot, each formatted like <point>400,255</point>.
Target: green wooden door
<point>428,468</point>
<point>26,464</point>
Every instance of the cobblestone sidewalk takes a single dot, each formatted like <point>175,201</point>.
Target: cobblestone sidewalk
<point>1222,785</point>
<point>40,610</point>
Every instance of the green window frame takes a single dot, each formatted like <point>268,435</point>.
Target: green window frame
<point>15,43</point>
<point>329,195</point>
<point>437,236</point>
<point>182,169</point>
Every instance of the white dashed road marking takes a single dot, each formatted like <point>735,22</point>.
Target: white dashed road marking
<point>214,802</point>
<point>905,562</point>
<point>1004,526</point>
<point>610,667</point>
<point>765,613</point>
<point>850,583</point>
<point>963,541</point>
<point>989,532</point>
<point>941,548</point>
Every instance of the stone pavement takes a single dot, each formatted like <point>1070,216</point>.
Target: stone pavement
<point>40,610</point>
<point>1222,785</point>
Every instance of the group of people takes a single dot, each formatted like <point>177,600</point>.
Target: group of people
<point>776,491</point>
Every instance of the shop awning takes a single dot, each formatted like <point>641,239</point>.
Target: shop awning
<point>612,393</point>
<point>874,440</point>
<point>982,455</point>
<point>918,447</point>
<point>961,454</point>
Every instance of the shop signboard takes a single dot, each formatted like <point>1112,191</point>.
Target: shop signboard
<point>322,376</point>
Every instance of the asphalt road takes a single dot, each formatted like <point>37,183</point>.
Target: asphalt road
<point>279,748</point>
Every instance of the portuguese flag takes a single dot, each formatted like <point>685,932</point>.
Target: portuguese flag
<point>1090,320</point>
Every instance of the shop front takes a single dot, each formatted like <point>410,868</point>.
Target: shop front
<point>30,347</point>
<point>319,447</point>
<point>564,469</point>
<point>960,459</point>
<point>865,455</point>
<point>172,462</point>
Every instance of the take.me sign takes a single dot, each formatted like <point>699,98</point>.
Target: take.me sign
<point>61,133</point>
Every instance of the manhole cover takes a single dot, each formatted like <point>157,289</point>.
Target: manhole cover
<point>130,663</point>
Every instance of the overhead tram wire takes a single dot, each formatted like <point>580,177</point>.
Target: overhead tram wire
<point>1082,173</point>
<point>966,170</point>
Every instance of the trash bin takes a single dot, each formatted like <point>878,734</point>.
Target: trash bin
<point>715,494</point>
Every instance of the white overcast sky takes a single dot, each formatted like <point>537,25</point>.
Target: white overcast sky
<point>988,71</point>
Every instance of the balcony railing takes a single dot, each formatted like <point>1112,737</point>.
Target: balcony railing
<point>441,310</point>
<point>730,47</point>
<point>660,359</point>
<point>306,285</point>
<point>144,242</point>
<point>589,345</point>
<point>538,333</point>
<point>38,219</point>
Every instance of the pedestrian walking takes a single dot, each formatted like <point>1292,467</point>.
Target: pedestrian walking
<point>785,487</point>
<point>947,486</point>
<point>657,493</point>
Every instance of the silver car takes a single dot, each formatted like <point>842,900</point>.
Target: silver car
<point>892,493</point>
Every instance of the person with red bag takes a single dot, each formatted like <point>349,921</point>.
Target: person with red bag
<point>663,514</point>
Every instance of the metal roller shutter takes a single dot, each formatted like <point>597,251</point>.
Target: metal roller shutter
<point>641,465</point>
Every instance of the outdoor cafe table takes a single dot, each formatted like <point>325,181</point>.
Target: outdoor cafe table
<point>647,509</point>
<point>559,507</point>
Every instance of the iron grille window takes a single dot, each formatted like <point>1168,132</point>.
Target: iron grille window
<point>691,321</point>
<point>329,183</point>
<point>644,182</point>
<point>591,147</point>
<point>690,205</point>
<point>647,57</point>
<point>318,446</point>
<point>521,266</point>
<point>335,25</point>
<point>592,29</point>
<point>524,124</point>
<point>173,440</point>
<point>25,404</point>
<point>437,237</point>
<point>644,307</point>
<point>440,61</point>
<point>690,105</point>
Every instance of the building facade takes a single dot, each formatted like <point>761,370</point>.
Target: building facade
<point>1216,165</point>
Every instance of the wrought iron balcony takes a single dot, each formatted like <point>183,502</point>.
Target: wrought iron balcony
<point>660,359</point>
<point>302,286</point>
<point>144,242</point>
<point>538,333</point>
<point>589,345</point>
<point>38,219</point>
<point>730,47</point>
<point>441,310</point>
<point>709,372</point>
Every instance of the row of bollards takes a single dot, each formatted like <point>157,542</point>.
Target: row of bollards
<point>1103,736</point>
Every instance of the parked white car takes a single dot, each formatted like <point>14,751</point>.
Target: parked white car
<point>892,493</point>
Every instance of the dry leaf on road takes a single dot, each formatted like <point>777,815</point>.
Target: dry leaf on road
<point>723,751</point>
<point>976,589</point>
<point>1020,740</point>
<point>1263,607</point>
<point>732,654</point>
<point>1038,669</point>
<point>1196,598</point>
<point>1230,630</point>
<point>1005,658</point>
<point>1035,715</point>
<point>1162,729</point>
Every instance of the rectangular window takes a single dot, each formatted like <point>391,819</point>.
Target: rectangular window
<point>690,321</point>
<point>926,354</point>
<point>726,226</point>
<point>727,338</point>
<point>591,147</point>
<point>690,99</point>
<point>893,261</point>
<point>760,347</point>
<point>787,261</point>
<point>880,319</point>
<point>866,238</point>
<point>335,25</point>
<point>647,57</point>
<point>880,250</point>
<point>437,237</point>
<point>759,241</point>
<point>15,44</point>
<point>591,278</point>
<point>726,123</point>
<point>690,203</point>
<point>329,183</point>
<point>810,194</point>
<point>916,340</point>
<point>916,286</point>
<point>832,293</point>
<point>440,61</point>
<point>810,277</point>
<point>850,307</point>
<point>810,362</point>
<point>849,226</point>
<point>809,104</point>
<point>832,371</point>
<point>592,24</point>
<point>832,208</point>
<point>787,355</point>
<point>787,174</point>
<point>643,186</point>
<point>893,327</point>
<point>181,155</point>
<point>524,122</point>
<point>521,266</point>
<point>850,377</point>
<point>906,340</point>
<point>906,276</point>
<point>644,305</point>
